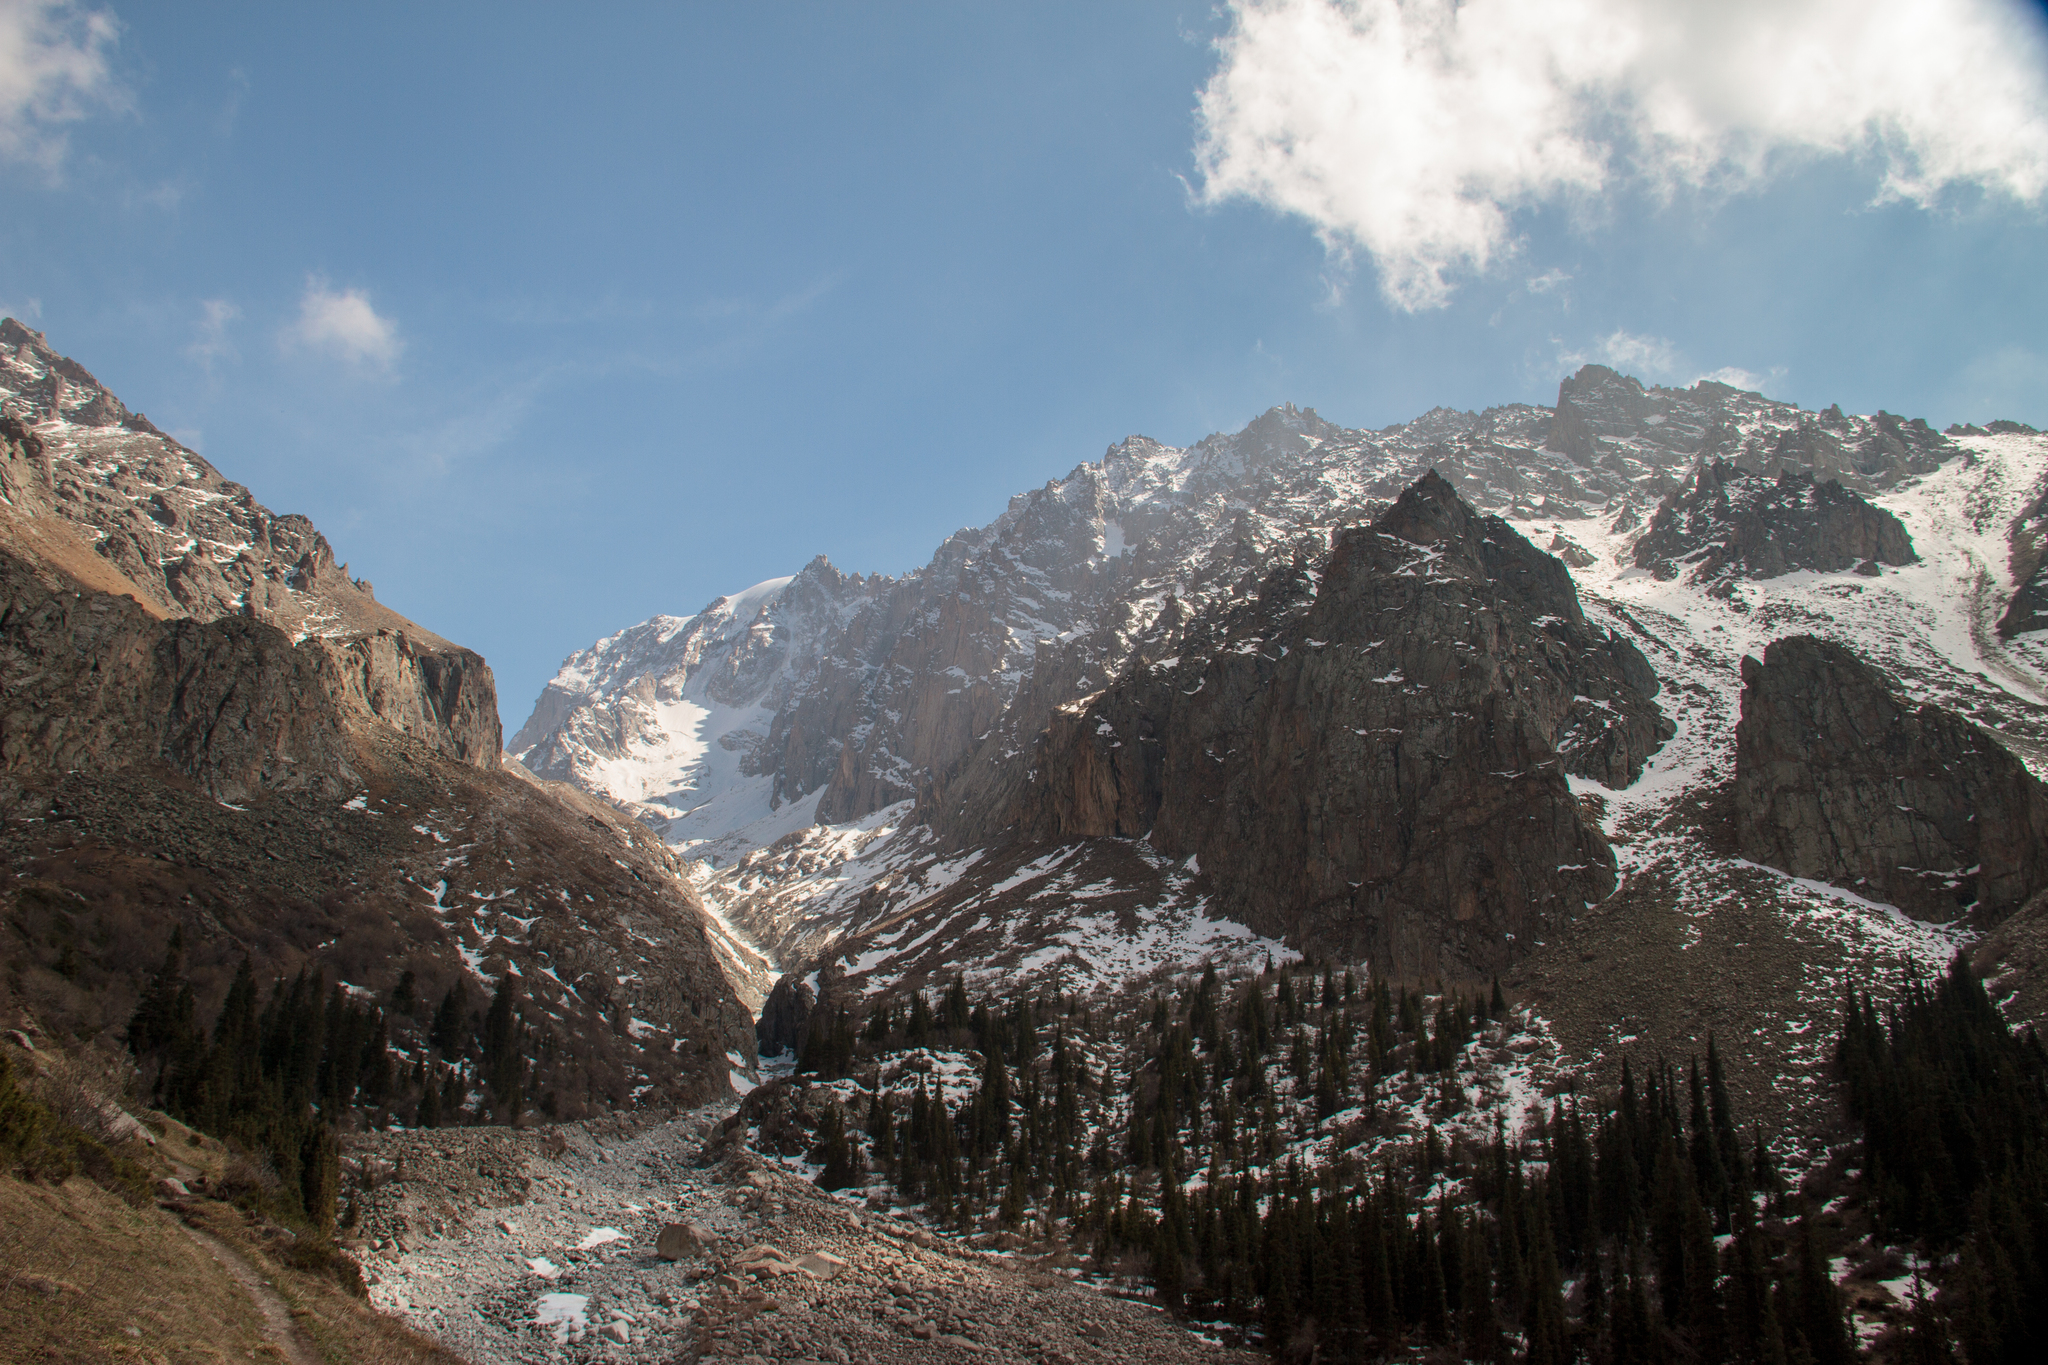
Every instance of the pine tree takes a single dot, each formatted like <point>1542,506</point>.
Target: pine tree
<point>428,1114</point>
<point>450,1031</point>
<point>320,1177</point>
<point>502,1062</point>
<point>835,1152</point>
<point>1819,1320</point>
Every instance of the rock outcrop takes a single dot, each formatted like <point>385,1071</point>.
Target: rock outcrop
<point>1370,760</point>
<point>1731,524</point>
<point>1839,778</point>
<point>786,1016</point>
<point>2027,562</point>
<point>97,682</point>
<point>98,495</point>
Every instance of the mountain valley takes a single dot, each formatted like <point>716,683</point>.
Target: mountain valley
<point>1501,847</point>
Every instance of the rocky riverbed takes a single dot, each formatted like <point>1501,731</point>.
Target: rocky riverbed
<point>541,1246</point>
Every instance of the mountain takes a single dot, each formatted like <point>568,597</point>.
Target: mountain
<point>670,719</point>
<point>1119,727</point>
<point>98,492</point>
<point>1307,830</point>
<point>215,740</point>
<point>1367,741</point>
<point>1047,602</point>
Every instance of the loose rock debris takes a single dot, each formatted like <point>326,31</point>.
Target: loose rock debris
<point>487,1239</point>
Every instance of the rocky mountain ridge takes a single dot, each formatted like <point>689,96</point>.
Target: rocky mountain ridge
<point>902,900</point>
<point>967,658</point>
<point>212,736</point>
<point>98,495</point>
<point>681,706</point>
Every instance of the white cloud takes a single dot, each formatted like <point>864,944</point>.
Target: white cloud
<point>1638,354</point>
<point>1655,360</point>
<point>344,324</point>
<point>210,343</point>
<point>1646,357</point>
<point>1739,378</point>
<point>54,69</point>
<point>1549,280</point>
<point>1412,130</point>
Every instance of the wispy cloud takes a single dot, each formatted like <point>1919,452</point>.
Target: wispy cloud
<point>1647,356</point>
<point>210,344</point>
<point>1412,130</point>
<point>1741,378</point>
<point>342,323</point>
<point>54,70</point>
<point>1655,359</point>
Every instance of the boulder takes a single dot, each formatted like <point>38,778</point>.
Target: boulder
<point>679,1241</point>
<point>821,1265</point>
<point>760,1252</point>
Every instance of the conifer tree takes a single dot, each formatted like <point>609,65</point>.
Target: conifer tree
<point>450,1032</point>
<point>835,1152</point>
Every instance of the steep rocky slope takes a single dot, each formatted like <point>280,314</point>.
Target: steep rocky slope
<point>1370,762</point>
<point>967,658</point>
<point>1838,779</point>
<point>295,775</point>
<point>1732,524</point>
<point>99,495</point>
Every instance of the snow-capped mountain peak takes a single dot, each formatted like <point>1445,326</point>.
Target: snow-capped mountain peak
<point>667,718</point>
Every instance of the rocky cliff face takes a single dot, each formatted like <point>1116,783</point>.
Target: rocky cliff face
<point>1731,524</point>
<point>1839,778</point>
<point>1370,758</point>
<point>96,682</point>
<point>99,494</point>
<point>297,775</point>
<point>967,659</point>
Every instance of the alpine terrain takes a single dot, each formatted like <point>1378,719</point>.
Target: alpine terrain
<point>1553,883</point>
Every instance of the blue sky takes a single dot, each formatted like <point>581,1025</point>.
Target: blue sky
<point>553,321</point>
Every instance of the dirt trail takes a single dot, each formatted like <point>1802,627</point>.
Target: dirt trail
<point>277,1316</point>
